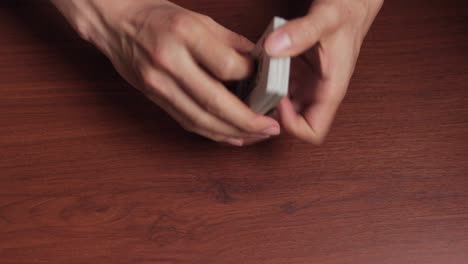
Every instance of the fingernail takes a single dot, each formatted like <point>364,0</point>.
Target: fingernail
<point>235,141</point>
<point>279,42</point>
<point>272,131</point>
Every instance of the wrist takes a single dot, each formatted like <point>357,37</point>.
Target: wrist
<point>78,13</point>
<point>98,21</point>
<point>93,20</point>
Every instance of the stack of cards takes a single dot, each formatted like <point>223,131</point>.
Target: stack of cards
<point>271,80</point>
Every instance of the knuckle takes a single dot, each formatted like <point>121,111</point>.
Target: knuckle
<point>250,125</point>
<point>161,54</point>
<point>307,30</point>
<point>228,69</point>
<point>236,38</point>
<point>318,137</point>
<point>334,13</point>
<point>342,11</point>
<point>242,39</point>
<point>156,85</point>
<point>245,42</point>
<point>83,30</point>
<point>307,135</point>
<point>181,24</point>
<point>207,19</point>
<point>212,103</point>
<point>314,139</point>
<point>150,83</point>
<point>319,140</point>
<point>188,126</point>
<point>311,136</point>
<point>146,77</point>
<point>356,9</point>
<point>199,123</point>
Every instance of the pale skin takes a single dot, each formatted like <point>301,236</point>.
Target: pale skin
<point>179,59</point>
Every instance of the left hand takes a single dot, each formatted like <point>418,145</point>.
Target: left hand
<point>328,39</point>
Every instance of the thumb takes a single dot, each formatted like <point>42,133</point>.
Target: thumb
<point>301,34</point>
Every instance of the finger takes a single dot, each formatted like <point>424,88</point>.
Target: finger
<point>209,50</point>
<point>301,34</point>
<point>213,97</point>
<point>339,54</point>
<point>320,117</point>
<point>296,124</point>
<point>186,123</point>
<point>218,58</point>
<point>166,93</point>
<point>237,41</point>
<point>313,124</point>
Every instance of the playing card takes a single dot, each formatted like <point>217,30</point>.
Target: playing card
<point>270,83</point>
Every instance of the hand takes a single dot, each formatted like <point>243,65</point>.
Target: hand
<point>328,41</point>
<point>178,58</point>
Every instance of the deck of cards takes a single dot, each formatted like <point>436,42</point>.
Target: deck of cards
<point>270,83</point>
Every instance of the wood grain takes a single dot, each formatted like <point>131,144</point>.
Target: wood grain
<point>92,172</point>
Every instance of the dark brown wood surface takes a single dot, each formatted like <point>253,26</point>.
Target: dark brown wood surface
<point>92,172</point>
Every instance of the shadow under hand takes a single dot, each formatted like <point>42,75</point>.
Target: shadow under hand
<point>80,63</point>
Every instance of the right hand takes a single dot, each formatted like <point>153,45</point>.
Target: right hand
<point>178,58</point>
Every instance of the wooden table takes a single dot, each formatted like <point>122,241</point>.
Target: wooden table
<point>92,172</point>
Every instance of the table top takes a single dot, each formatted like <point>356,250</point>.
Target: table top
<point>92,172</point>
